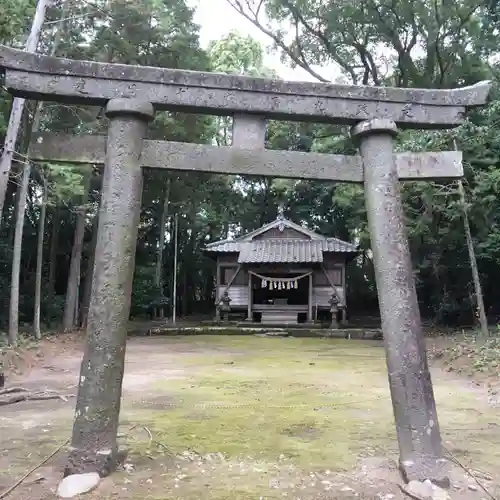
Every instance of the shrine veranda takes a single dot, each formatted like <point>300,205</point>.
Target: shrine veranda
<point>131,95</point>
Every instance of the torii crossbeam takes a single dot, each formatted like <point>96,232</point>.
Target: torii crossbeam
<point>91,149</point>
<point>131,94</point>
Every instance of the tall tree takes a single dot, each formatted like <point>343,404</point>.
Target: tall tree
<point>39,261</point>
<point>376,41</point>
<point>70,308</point>
<point>162,223</point>
<point>214,207</point>
<point>37,119</point>
<point>473,263</point>
<point>16,260</point>
<point>17,110</point>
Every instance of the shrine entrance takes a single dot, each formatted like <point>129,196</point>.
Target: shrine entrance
<point>130,96</point>
<point>279,298</point>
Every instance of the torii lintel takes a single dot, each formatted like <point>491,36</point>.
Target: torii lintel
<point>35,76</point>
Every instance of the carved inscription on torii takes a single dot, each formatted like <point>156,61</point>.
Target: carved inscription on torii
<point>130,95</point>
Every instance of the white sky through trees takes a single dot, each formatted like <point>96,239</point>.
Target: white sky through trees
<point>217,18</point>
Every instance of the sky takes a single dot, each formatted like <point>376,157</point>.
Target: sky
<point>217,18</point>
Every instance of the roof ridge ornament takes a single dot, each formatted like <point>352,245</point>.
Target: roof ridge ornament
<point>281,217</point>
<point>281,212</point>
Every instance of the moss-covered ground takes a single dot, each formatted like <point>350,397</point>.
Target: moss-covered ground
<point>251,417</point>
<point>310,400</point>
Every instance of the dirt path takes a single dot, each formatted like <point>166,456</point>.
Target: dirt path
<point>246,418</point>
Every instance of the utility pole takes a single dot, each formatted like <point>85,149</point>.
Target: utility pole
<point>483,320</point>
<point>174,292</point>
<point>18,106</point>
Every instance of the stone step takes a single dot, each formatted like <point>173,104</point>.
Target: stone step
<point>279,318</point>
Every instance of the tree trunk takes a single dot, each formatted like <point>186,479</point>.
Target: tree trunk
<point>18,239</point>
<point>87,287</point>
<point>76,256</point>
<point>76,313</point>
<point>56,217</point>
<point>185,290</point>
<point>175,240</point>
<point>161,244</point>
<point>16,258</point>
<point>12,225</point>
<point>473,265</point>
<point>9,206</point>
<point>39,262</point>
<point>16,113</point>
<point>41,228</point>
<point>37,117</point>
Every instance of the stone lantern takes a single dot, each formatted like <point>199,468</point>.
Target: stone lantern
<point>224,307</point>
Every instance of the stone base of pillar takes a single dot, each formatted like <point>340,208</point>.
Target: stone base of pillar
<point>81,461</point>
<point>420,468</point>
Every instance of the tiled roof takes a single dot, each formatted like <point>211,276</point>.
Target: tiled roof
<point>327,245</point>
<point>282,250</point>
<point>336,245</point>
<point>310,248</point>
<point>225,246</point>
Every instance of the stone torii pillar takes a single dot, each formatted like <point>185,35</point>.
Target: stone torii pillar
<point>93,443</point>
<point>420,447</point>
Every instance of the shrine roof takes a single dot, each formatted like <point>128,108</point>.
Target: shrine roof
<point>281,250</point>
<point>310,248</point>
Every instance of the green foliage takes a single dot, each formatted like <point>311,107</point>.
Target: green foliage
<point>65,182</point>
<point>144,290</point>
<point>238,54</point>
<point>376,41</point>
<point>15,17</point>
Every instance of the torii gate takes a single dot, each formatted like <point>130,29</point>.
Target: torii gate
<point>130,95</point>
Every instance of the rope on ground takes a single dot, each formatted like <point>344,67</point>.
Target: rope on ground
<point>9,490</point>
<point>470,473</point>
<point>157,443</point>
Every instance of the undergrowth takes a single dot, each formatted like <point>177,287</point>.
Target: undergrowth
<point>471,354</point>
<point>11,355</point>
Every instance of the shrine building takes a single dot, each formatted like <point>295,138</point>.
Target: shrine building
<point>283,273</point>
